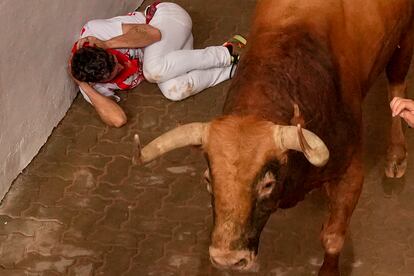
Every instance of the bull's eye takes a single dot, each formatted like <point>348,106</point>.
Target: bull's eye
<point>207,175</point>
<point>269,185</point>
<point>266,185</point>
<point>267,188</point>
<point>207,180</point>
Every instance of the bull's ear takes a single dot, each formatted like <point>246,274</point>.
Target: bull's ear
<point>305,141</point>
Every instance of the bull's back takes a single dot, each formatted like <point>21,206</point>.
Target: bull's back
<point>361,34</point>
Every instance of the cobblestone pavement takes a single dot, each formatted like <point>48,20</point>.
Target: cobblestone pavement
<point>82,208</point>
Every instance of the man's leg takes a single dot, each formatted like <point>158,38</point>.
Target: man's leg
<point>170,57</point>
<point>191,83</point>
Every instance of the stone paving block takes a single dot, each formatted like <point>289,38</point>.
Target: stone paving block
<point>82,225</point>
<point>113,237</point>
<point>51,273</point>
<point>84,180</point>
<point>56,149</point>
<point>84,159</point>
<point>88,117</point>
<point>23,226</point>
<point>180,192</point>
<point>203,240</point>
<point>124,191</point>
<point>3,238</point>
<point>188,214</point>
<point>20,196</point>
<point>14,272</point>
<point>201,197</point>
<point>116,135</point>
<point>58,214</point>
<point>39,263</point>
<point>51,190</point>
<point>48,242</point>
<point>147,225</point>
<point>87,202</point>
<point>67,130</point>
<point>165,124</point>
<point>143,270</point>
<point>13,250</point>
<point>184,238</point>
<point>113,149</point>
<point>116,170</point>
<point>176,113</point>
<point>61,170</point>
<point>150,201</point>
<point>144,177</point>
<point>83,267</point>
<point>150,118</point>
<point>408,266</point>
<point>151,250</point>
<point>81,250</point>
<point>185,264</point>
<point>117,261</point>
<point>175,158</point>
<point>116,214</point>
<point>155,101</point>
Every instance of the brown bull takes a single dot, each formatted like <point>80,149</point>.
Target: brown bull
<point>309,63</point>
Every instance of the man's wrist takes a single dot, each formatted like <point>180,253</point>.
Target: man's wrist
<point>83,84</point>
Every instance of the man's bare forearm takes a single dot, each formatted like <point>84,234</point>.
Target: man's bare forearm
<point>109,111</point>
<point>135,36</point>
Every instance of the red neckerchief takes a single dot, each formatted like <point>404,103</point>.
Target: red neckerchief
<point>131,67</point>
<point>150,11</point>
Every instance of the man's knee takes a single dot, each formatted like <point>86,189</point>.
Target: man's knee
<point>154,71</point>
<point>173,91</point>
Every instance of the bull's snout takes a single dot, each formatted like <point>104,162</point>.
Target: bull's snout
<point>237,260</point>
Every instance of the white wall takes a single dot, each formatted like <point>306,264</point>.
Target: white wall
<point>35,92</point>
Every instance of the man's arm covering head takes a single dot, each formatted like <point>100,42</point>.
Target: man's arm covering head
<point>92,64</point>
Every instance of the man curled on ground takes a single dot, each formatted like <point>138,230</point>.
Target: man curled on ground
<point>157,46</point>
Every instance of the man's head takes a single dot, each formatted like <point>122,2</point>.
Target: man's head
<point>93,64</point>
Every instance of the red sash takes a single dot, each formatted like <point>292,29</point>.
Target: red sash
<point>132,67</point>
<point>150,11</point>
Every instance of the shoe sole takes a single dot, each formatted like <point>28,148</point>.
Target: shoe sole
<point>240,39</point>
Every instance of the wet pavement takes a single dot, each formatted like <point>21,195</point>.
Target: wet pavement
<point>82,208</point>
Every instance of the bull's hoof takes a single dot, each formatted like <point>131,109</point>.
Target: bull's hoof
<point>395,167</point>
<point>329,271</point>
<point>330,266</point>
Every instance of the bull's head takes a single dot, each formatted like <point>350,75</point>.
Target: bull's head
<point>246,168</point>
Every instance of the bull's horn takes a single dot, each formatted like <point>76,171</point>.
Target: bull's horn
<point>296,138</point>
<point>185,135</point>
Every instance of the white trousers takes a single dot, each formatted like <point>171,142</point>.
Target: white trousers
<point>172,63</point>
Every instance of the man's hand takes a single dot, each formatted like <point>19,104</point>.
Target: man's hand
<point>403,108</point>
<point>92,42</point>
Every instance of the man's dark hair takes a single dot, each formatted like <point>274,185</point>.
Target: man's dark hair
<point>92,64</point>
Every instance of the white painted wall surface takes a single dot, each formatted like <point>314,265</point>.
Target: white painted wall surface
<point>35,91</point>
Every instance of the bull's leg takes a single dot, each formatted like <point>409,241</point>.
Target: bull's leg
<point>396,71</point>
<point>343,197</point>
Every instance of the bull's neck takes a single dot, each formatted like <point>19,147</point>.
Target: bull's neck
<point>290,66</point>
